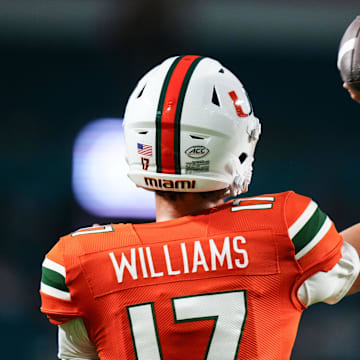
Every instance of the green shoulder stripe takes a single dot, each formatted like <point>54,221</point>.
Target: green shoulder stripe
<point>309,230</point>
<point>53,279</point>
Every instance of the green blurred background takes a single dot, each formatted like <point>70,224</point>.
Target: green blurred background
<point>65,63</point>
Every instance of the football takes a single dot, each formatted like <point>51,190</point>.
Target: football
<point>349,55</point>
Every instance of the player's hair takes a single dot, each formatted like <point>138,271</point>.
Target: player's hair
<point>215,195</point>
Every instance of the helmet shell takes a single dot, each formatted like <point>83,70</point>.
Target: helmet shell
<point>186,124</point>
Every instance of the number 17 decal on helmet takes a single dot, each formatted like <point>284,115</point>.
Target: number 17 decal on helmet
<point>145,163</point>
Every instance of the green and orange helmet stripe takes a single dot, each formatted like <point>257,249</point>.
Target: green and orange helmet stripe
<point>168,115</point>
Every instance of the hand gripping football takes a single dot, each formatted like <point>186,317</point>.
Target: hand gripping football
<point>349,55</point>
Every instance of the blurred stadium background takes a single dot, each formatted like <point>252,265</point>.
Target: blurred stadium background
<point>67,64</point>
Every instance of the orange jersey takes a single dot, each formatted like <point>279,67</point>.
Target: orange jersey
<point>218,285</point>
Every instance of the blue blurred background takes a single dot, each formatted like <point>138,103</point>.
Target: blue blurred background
<point>66,63</point>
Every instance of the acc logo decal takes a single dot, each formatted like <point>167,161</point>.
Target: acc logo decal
<point>197,151</point>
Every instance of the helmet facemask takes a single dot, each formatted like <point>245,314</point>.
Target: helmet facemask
<point>242,167</point>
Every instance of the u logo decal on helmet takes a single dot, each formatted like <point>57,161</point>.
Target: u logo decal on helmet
<point>168,113</point>
<point>237,105</point>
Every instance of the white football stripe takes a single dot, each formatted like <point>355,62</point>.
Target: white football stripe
<point>52,265</point>
<point>348,46</point>
<point>302,219</point>
<point>256,198</point>
<point>317,238</point>
<point>107,228</point>
<point>252,207</point>
<point>59,294</point>
<point>266,198</point>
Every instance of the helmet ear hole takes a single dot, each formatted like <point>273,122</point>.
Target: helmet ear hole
<point>242,157</point>
<point>196,137</point>
<point>215,98</point>
<point>141,92</point>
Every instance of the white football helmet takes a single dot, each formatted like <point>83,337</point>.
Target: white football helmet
<point>190,127</point>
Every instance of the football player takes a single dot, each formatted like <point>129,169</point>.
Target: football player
<point>209,279</point>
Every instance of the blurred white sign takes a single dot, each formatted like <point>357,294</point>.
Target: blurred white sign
<point>99,179</point>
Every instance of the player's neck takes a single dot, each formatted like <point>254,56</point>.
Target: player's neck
<point>189,204</point>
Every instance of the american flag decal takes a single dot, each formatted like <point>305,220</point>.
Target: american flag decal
<point>144,149</point>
